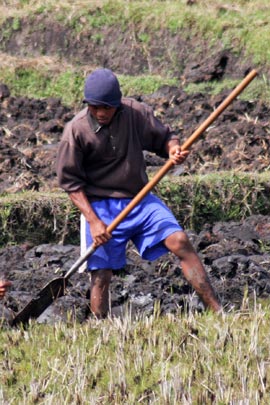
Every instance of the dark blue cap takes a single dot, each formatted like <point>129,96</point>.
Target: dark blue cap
<point>102,88</point>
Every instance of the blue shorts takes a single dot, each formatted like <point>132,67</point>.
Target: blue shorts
<point>147,225</point>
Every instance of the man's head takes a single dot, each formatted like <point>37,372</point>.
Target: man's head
<point>102,94</point>
<point>102,88</point>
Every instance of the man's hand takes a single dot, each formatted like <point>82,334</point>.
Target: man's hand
<point>99,232</point>
<point>98,228</point>
<point>177,155</point>
<point>3,287</point>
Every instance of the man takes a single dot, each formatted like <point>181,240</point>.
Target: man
<point>100,164</point>
<point>3,287</point>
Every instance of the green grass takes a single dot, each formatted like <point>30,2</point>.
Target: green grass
<point>183,358</point>
<point>259,89</point>
<point>39,83</point>
<point>224,196</point>
<point>242,27</point>
<point>42,82</point>
<point>43,218</point>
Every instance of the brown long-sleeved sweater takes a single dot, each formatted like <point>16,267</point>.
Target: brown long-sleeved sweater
<point>108,161</point>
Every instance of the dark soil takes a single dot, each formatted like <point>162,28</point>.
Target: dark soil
<point>236,255</point>
<point>30,131</point>
<point>233,253</point>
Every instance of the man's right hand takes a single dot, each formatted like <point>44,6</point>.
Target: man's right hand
<point>98,228</point>
<point>99,232</point>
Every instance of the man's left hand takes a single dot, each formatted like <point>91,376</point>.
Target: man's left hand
<point>177,155</point>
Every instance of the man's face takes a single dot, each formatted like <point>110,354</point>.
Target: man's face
<point>102,113</point>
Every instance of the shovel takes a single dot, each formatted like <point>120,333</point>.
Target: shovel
<point>57,287</point>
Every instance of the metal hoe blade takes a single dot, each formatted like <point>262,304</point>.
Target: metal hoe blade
<point>53,290</point>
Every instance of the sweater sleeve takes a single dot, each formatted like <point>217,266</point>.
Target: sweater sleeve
<point>69,163</point>
<point>155,134</point>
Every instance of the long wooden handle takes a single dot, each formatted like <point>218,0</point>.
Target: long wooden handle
<point>167,166</point>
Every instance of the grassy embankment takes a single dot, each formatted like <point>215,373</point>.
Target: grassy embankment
<point>186,359</point>
<point>195,200</point>
<point>242,28</point>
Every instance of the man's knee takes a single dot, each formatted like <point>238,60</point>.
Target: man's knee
<point>179,244</point>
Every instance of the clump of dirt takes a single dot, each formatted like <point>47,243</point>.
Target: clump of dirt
<point>30,131</point>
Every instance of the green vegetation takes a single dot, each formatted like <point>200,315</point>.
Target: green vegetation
<point>34,83</point>
<point>143,84</point>
<point>241,27</point>
<point>41,217</point>
<point>40,82</point>
<point>256,90</point>
<point>195,200</point>
<point>176,359</point>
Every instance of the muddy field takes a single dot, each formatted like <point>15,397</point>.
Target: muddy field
<point>30,131</point>
<point>236,255</point>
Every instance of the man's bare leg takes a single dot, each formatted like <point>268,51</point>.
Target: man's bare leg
<point>192,268</point>
<point>99,299</point>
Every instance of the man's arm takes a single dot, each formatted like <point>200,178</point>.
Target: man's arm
<point>98,228</point>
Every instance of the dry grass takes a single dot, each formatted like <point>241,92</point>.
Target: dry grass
<point>51,65</point>
<point>178,359</point>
